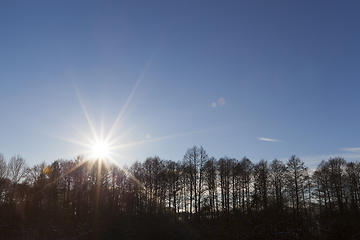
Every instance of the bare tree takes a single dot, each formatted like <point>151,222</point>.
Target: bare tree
<point>246,175</point>
<point>191,164</point>
<point>3,173</point>
<point>296,175</point>
<point>3,169</point>
<point>203,157</point>
<point>261,175</point>
<point>16,169</point>
<point>353,185</point>
<point>278,173</point>
<point>336,169</point>
<point>210,173</point>
<point>225,167</point>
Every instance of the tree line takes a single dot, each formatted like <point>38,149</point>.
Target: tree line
<point>199,197</point>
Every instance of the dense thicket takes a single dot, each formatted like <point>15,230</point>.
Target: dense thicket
<point>199,197</point>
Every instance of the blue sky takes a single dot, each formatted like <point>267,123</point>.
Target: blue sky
<point>283,70</point>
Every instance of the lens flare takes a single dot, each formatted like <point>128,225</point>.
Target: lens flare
<point>221,101</point>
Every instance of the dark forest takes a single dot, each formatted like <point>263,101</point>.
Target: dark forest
<point>199,197</point>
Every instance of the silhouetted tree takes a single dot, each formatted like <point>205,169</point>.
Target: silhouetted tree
<point>261,172</point>
<point>296,173</point>
<point>278,173</point>
<point>210,181</point>
<point>3,178</point>
<point>246,177</point>
<point>191,166</point>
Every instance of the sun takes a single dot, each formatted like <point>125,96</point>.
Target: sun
<point>100,150</point>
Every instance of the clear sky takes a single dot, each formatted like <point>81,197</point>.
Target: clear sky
<point>262,79</point>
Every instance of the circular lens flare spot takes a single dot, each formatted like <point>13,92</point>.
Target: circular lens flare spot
<point>101,150</point>
<point>221,101</point>
<point>46,170</point>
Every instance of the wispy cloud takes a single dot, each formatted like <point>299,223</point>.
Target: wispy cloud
<point>350,149</point>
<point>313,161</point>
<point>268,139</point>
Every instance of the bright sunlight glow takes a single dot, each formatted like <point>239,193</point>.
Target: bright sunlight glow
<point>101,150</point>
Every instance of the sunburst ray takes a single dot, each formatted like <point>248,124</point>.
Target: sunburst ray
<point>112,130</point>
<point>87,117</point>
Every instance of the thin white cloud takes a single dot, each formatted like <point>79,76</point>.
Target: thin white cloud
<point>268,139</point>
<point>313,161</point>
<point>350,149</point>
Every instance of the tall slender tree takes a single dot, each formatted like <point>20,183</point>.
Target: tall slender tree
<point>296,173</point>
